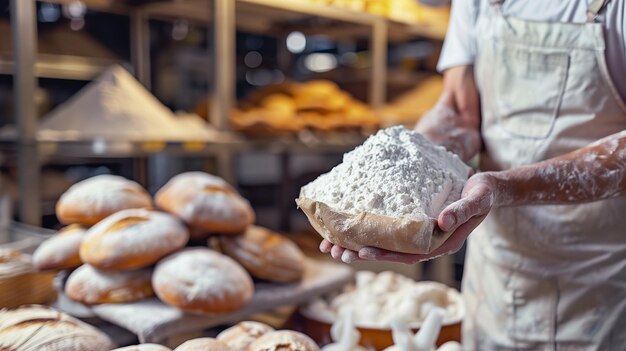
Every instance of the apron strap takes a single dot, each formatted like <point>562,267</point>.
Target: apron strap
<point>594,9</point>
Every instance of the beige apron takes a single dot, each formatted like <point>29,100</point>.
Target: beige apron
<point>545,277</point>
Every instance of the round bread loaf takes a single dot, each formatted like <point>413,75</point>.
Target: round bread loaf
<point>207,202</point>
<point>240,336</point>
<point>34,327</point>
<point>61,250</point>
<point>144,347</point>
<point>93,199</point>
<point>131,239</point>
<point>265,254</point>
<point>283,340</point>
<point>91,286</point>
<point>202,280</point>
<point>202,344</point>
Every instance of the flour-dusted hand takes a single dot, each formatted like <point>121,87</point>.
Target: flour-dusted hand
<point>460,217</point>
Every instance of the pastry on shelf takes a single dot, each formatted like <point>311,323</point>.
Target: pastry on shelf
<point>203,344</point>
<point>288,108</point>
<point>286,340</point>
<point>241,335</point>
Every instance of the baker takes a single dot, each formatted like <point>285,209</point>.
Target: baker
<point>539,87</point>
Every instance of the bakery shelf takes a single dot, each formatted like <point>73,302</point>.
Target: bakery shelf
<point>61,66</point>
<point>153,321</point>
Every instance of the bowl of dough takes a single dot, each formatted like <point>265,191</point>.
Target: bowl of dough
<point>377,302</point>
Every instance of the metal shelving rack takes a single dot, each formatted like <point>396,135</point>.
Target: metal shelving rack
<point>221,16</point>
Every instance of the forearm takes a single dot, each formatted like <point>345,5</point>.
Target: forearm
<point>592,173</point>
<point>454,122</point>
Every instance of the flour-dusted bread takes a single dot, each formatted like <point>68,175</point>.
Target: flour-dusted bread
<point>206,202</point>
<point>34,327</point>
<point>203,344</point>
<point>283,340</point>
<point>93,199</point>
<point>240,336</point>
<point>61,250</point>
<point>143,347</point>
<point>387,193</point>
<point>265,254</point>
<point>91,286</point>
<point>132,239</point>
<point>202,280</point>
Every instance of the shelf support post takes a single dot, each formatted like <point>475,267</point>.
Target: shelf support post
<point>140,46</point>
<point>24,31</point>
<point>378,81</point>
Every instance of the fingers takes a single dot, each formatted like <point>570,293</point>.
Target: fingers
<point>375,254</point>
<point>325,246</point>
<point>337,252</point>
<point>477,202</point>
<point>456,240</point>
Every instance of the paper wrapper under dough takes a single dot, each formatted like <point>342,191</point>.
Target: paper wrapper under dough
<point>355,231</point>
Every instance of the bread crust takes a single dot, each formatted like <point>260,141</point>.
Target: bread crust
<point>202,281</point>
<point>205,202</point>
<point>132,239</point>
<point>61,251</point>
<point>91,200</point>
<point>43,328</point>
<point>355,231</point>
<point>241,335</point>
<point>265,254</point>
<point>284,340</point>
<point>203,344</point>
<point>91,286</point>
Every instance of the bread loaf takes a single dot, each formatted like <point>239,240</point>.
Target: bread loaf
<point>203,344</point>
<point>240,336</point>
<point>265,254</point>
<point>283,340</point>
<point>60,251</point>
<point>93,199</point>
<point>202,280</point>
<point>91,286</point>
<point>207,202</point>
<point>132,239</point>
<point>34,327</point>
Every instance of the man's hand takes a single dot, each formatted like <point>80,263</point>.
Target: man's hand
<point>460,217</point>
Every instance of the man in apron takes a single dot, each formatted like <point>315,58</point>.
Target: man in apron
<point>546,261</point>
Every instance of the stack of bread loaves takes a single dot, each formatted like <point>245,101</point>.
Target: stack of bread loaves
<point>123,249</point>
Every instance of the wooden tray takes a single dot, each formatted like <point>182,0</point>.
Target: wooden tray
<point>153,321</point>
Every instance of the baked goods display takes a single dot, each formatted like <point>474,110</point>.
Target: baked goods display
<point>408,108</point>
<point>132,239</point>
<point>203,344</point>
<point>378,299</point>
<point>202,280</point>
<point>143,347</point>
<point>288,108</point>
<point>283,340</point>
<point>241,335</point>
<point>34,327</point>
<point>60,251</point>
<point>93,199</point>
<point>387,193</point>
<point>91,286</point>
<point>205,202</point>
<point>265,254</point>
<point>408,11</point>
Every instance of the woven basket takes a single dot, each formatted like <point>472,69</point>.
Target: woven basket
<point>20,283</point>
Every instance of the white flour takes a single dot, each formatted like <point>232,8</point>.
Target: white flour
<point>117,107</point>
<point>396,173</point>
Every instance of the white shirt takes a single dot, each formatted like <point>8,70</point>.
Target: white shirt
<point>459,47</point>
